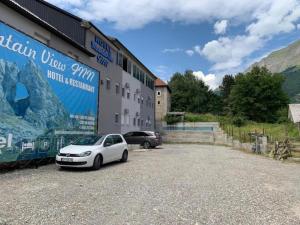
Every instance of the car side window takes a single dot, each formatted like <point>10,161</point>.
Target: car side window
<point>137,134</point>
<point>128,134</point>
<point>117,139</point>
<point>108,141</point>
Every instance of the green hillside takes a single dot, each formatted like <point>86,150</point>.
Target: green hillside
<point>286,61</point>
<point>292,83</point>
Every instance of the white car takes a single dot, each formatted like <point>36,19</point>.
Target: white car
<point>93,151</point>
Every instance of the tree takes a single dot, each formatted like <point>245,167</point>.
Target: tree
<point>225,89</point>
<point>258,95</point>
<point>226,86</point>
<point>191,94</point>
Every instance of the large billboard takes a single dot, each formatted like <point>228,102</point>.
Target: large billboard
<point>46,98</point>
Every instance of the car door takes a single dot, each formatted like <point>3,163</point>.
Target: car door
<point>129,138</point>
<point>139,137</point>
<point>118,147</point>
<point>108,149</point>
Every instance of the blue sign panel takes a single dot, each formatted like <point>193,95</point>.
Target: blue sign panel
<point>46,98</point>
<point>103,51</point>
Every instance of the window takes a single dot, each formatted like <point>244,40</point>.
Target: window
<point>108,141</point>
<point>128,95</point>
<point>129,67</point>
<point>138,122</point>
<point>139,100</point>
<point>142,123</point>
<point>158,93</point>
<point>123,92</point>
<point>142,100</point>
<point>120,59</point>
<point>117,89</point>
<point>116,118</point>
<point>134,97</point>
<point>125,64</point>
<point>117,139</point>
<point>158,102</point>
<point>107,84</point>
<point>134,121</point>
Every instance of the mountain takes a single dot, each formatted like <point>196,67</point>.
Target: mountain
<point>40,110</point>
<point>287,62</point>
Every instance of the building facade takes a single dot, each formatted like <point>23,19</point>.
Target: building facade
<point>163,101</point>
<point>60,78</point>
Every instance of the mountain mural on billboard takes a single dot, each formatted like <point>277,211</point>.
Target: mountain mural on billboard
<point>47,98</point>
<point>39,109</point>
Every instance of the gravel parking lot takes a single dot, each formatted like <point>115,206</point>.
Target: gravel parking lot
<point>176,184</point>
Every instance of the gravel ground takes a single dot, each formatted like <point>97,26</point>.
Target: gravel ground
<point>177,184</point>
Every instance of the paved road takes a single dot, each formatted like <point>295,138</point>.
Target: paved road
<point>178,184</point>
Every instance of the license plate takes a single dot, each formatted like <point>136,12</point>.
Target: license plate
<point>67,160</point>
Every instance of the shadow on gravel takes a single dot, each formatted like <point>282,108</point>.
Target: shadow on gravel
<point>83,170</point>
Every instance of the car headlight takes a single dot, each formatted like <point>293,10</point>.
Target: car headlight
<point>84,154</point>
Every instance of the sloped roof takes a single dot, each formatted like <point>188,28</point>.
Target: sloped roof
<point>294,112</point>
<point>30,15</point>
<point>160,83</point>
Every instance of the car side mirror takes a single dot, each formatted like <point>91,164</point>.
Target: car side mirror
<point>107,144</point>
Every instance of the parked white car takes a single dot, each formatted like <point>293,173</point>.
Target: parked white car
<point>93,151</point>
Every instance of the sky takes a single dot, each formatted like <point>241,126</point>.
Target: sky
<point>210,37</point>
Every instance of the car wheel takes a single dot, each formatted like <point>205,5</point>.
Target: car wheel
<point>147,145</point>
<point>124,156</point>
<point>97,162</point>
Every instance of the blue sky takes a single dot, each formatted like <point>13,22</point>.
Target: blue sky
<point>210,37</point>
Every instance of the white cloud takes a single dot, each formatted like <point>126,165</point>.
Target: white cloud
<point>209,79</point>
<point>172,50</point>
<point>262,20</point>
<point>129,14</point>
<point>189,52</point>
<point>298,26</point>
<point>220,27</point>
<point>231,52</point>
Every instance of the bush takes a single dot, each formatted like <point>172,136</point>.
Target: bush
<point>282,115</point>
<point>238,121</point>
<point>190,117</point>
<point>172,119</point>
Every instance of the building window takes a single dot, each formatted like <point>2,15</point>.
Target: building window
<point>158,93</point>
<point>108,84</point>
<point>158,102</point>
<point>128,95</point>
<point>117,89</point>
<point>139,100</point>
<point>123,92</point>
<point>125,64</point>
<point>142,100</point>
<point>139,122</point>
<point>129,67</point>
<point>120,59</point>
<point>134,121</point>
<point>117,118</point>
<point>142,123</point>
<point>134,97</point>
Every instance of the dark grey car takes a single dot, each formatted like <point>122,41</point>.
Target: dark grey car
<point>147,139</point>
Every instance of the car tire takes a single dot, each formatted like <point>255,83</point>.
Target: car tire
<point>97,162</point>
<point>146,145</point>
<point>124,156</point>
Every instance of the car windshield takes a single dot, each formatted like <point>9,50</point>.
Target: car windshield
<point>89,140</point>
